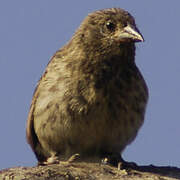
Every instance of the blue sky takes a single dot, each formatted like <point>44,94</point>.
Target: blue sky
<point>32,31</point>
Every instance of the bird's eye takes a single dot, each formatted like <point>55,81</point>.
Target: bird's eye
<point>124,24</point>
<point>110,26</point>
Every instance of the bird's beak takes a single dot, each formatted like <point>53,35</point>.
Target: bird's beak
<point>131,33</point>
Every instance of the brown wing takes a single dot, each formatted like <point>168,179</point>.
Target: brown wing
<point>31,136</point>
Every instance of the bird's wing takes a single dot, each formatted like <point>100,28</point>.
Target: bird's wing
<point>30,132</point>
<point>31,136</point>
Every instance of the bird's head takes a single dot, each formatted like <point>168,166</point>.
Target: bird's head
<point>107,30</point>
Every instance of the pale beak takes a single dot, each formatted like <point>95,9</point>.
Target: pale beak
<point>131,33</point>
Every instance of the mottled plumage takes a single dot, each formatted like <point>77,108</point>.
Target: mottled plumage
<point>92,98</point>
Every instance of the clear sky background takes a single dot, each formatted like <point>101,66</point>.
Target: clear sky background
<point>31,32</point>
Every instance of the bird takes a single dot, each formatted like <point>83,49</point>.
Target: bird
<point>91,99</point>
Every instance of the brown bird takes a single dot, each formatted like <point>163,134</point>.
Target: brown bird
<point>91,100</point>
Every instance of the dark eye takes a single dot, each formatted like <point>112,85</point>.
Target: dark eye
<point>124,24</point>
<point>110,26</point>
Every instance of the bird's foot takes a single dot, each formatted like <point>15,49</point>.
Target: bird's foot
<point>117,161</point>
<point>126,165</point>
<point>49,161</point>
<point>55,160</point>
<point>73,158</point>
